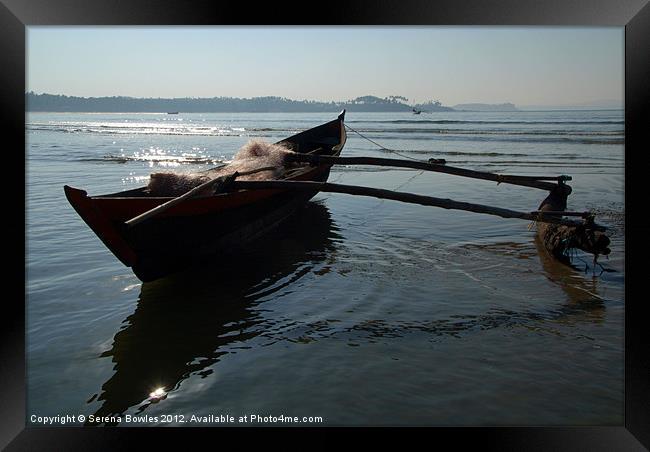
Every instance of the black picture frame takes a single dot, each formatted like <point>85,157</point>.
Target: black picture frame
<point>634,15</point>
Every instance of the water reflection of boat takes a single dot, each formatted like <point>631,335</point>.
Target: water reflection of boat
<point>579,290</point>
<point>582,303</point>
<point>183,323</point>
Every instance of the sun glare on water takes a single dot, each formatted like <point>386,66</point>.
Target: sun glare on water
<point>158,393</point>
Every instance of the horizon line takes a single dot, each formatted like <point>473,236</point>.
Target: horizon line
<point>582,105</point>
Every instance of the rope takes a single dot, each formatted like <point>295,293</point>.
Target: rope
<point>394,151</point>
<point>383,148</point>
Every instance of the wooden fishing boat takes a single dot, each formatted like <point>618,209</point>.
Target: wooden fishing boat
<point>202,227</point>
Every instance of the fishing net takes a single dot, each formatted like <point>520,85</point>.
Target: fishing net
<point>253,155</point>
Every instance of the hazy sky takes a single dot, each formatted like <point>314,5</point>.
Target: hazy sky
<point>522,65</point>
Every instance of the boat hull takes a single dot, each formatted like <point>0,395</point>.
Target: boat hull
<point>204,228</point>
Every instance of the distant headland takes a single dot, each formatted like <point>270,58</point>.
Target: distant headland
<point>271,104</point>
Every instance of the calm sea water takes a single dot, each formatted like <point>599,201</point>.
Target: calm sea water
<point>358,311</point>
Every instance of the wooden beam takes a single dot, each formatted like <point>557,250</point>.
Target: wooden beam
<point>404,197</point>
<point>526,181</point>
<point>196,191</point>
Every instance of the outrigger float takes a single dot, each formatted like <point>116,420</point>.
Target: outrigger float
<point>159,235</point>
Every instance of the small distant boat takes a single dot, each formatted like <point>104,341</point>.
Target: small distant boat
<point>416,111</point>
<point>172,112</point>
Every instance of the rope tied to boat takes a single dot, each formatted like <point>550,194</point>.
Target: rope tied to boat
<point>383,148</point>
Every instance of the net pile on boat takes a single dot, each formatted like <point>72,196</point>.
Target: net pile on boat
<point>255,154</point>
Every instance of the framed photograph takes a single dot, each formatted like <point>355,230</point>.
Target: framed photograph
<point>408,216</point>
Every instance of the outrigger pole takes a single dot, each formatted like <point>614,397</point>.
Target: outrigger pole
<point>559,239</point>
<point>412,198</point>
<point>559,235</point>
<point>435,165</point>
